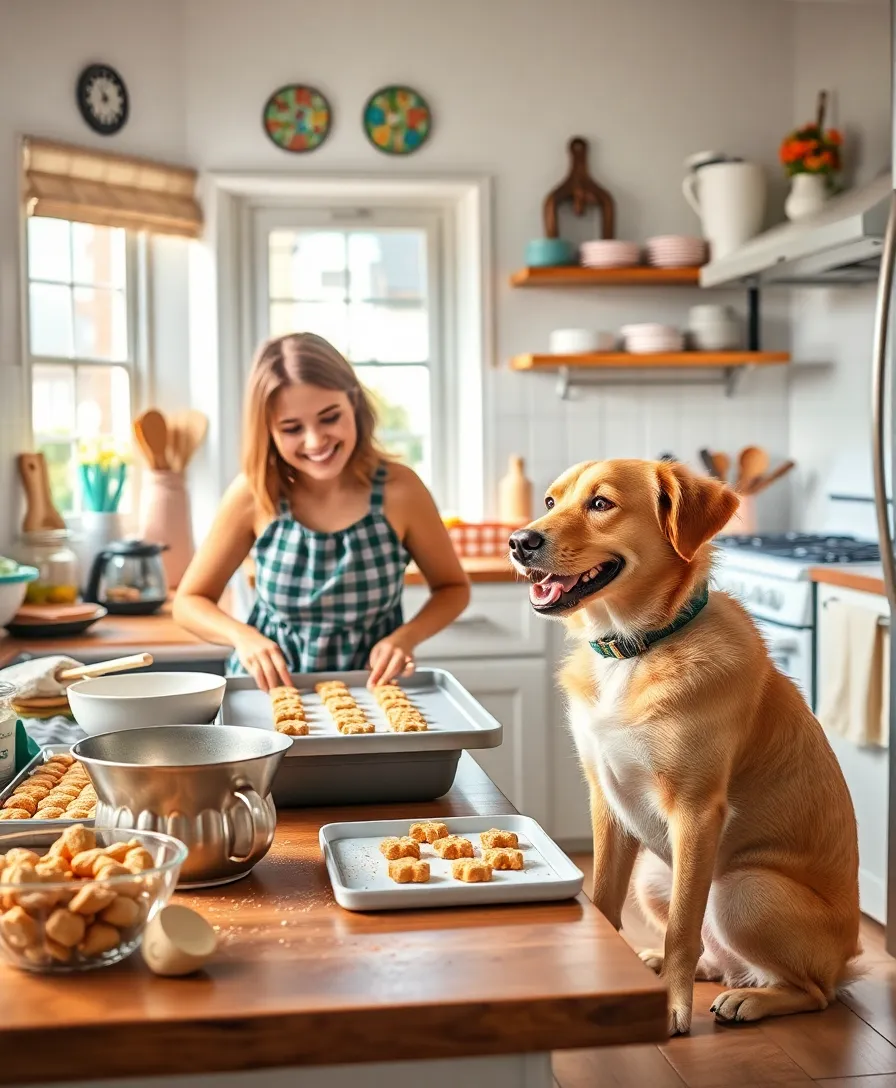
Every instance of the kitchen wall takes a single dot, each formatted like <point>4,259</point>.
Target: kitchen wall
<point>509,81</point>
<point>845,48</point>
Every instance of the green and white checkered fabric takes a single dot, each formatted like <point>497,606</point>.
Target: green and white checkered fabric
<point>327,598</point>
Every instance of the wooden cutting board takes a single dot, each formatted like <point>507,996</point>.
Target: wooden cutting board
<point>54,613</point>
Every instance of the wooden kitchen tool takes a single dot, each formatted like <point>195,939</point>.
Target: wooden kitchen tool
<point>766,481</point>
<point>195,424</point>
<point>103,668</point>
<point>581,190</point>
<point>40,512</point>
<point>722,464</point>
<point>151,432</point>
<point>709,463</point>
<point>752,463</point>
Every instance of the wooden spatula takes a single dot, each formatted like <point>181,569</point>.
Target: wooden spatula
<point>752,463</point>
<point>766,481</point>
<point>723,465</point>
<point>152,434</point>
<point>195,426</point>
<point>40,512</point>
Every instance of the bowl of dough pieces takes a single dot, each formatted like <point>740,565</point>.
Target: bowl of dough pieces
<point>81,899</point>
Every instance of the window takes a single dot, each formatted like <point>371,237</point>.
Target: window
<point>372,289</point>
<point>80,344</point>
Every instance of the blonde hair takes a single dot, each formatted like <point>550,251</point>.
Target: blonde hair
<point>287,360</point>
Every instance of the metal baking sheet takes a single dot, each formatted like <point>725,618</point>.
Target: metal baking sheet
<point>43,756</point>
<point>360,877</point>
<point>455,719</point>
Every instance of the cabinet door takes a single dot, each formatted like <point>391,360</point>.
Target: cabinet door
<point>514,691</point>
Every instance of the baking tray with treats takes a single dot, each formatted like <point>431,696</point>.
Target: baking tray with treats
<point>328,767</point>
<point>32,768</point>
<point>359,872</point>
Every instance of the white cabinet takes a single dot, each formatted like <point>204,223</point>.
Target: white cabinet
<point>866,769</point>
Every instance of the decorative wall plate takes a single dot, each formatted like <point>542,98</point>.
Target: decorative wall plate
<point>102,99</point>
<point>397,120</point>
<point>297,118</point>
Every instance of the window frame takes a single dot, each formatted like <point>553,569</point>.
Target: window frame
<point>137,317</point>
<point>374,216</point>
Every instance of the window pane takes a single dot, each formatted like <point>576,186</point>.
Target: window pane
<point>60,458</point>
<point>306,265</point>
<point>387,265</point>
<point>53,401</point>
<point>389,334</point>
<point>329,320</point>
<point>104,402</point>
<point>51,319</point>
<point>403,407</point>
<point>49,249</point>
<point>100,323</point>
<point>99,255</point>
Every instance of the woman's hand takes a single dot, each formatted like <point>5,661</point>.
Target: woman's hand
<point>262,659</point>
<point>392,656</point>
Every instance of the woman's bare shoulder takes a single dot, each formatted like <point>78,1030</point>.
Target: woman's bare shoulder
<point>238,501</point>
<point>403,482</point>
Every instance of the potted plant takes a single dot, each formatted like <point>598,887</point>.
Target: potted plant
<point>811,157</point>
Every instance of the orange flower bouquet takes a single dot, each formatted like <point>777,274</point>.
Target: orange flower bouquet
<point>813,149</point>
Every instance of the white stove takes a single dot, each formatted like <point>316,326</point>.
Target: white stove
<point>769,573</point>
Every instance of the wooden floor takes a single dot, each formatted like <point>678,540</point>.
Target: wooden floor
<point>850,1045</point>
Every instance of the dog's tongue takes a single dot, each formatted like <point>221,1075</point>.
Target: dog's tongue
<point>550,588</point>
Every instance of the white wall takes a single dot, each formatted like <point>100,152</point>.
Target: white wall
<point>846,49</point>
<point>510,82</point>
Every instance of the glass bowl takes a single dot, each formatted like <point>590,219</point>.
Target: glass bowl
<point>56,920</point>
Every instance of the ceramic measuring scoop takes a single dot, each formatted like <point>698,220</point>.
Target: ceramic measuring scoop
<point>178,941</point>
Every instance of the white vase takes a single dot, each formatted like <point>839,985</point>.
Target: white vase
<point>97,531</point>
<point>808,193</point>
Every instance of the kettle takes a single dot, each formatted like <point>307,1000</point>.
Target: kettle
<point>128,578</point>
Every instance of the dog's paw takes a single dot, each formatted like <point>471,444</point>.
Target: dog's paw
<point>653,958</point>
<point>737,1005</point>
<point>679,1019</point>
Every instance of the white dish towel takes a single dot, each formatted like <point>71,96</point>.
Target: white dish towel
<point>853,679</point>
<point>37,676</point>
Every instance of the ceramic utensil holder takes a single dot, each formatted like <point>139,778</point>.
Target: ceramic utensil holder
<point>166,520</point>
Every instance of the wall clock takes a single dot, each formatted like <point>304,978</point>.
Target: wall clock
<point>397,120</point>
<point>297,118</point>
<point>102,99</point>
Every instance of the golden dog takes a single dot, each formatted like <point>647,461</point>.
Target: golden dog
<point>699,754</point>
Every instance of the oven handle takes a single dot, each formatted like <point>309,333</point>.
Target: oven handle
<point>879,403</point>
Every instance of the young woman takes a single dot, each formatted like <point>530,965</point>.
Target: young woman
<point>331,523</point>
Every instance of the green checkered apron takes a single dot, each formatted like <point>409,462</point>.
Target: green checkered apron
<point>326,599</point>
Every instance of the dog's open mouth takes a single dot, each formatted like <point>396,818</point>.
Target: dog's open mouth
<point>558,592</point>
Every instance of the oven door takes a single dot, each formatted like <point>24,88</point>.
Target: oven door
<point>791,650</point>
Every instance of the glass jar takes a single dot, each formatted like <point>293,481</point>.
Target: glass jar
<point>50,551</point>
<point>7,733</point>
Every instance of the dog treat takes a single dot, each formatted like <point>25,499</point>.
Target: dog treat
<point>343,708</point>
<point>57,790</point>
<point>495,839</point>
<point>409,871</point>
<point>503,858</point>
<point>404,847</point>
<point>292,727</point>
<point>453,846</point>
<point>428,831</point>
<point>288,712</point>
<point>471,871</point>
<point>353,728</point>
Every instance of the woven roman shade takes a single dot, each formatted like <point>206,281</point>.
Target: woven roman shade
<point>66,182</point>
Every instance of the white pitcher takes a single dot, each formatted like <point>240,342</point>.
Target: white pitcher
<point>729,198</point>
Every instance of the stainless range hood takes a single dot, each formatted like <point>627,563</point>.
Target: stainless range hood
<point>841,244</point>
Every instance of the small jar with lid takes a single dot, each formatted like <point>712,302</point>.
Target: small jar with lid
<point>8,718</point>
<point>51,552</point>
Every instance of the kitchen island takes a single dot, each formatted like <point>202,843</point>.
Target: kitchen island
<point>300,988</point>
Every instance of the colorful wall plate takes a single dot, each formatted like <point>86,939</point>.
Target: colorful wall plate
<point>297,118</point>
<point>397,120</point>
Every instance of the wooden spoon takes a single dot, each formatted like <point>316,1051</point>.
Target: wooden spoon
<point>723,465</point>
<point>753,462</point>
<point>103,668</point>
<point>766,481</point>
<point>152,430</point>
<point>41,513</point>
<point>195,425</point>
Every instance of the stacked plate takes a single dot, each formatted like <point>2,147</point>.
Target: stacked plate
<point>675,251</point>
<point>649,339</point>
<point>580,341</point>
<point>610,253</point>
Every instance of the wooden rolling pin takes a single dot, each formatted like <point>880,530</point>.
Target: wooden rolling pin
<point>103,668</point>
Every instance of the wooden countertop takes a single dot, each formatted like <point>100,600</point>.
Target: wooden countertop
<point>865,577</point>
<point>161,636</point>
<point>299,981</point>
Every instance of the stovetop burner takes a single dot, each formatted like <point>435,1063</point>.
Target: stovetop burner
<point>811,547</point>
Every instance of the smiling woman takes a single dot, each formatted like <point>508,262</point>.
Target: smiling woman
<point>331,522</point>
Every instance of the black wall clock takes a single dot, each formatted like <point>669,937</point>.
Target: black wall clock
<point>102,99</point>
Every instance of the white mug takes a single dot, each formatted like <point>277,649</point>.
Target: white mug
<point>729,198</point>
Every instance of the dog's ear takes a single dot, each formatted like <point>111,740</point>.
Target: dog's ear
<point>691,508</point>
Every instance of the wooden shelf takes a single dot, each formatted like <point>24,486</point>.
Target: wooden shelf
<point>629,360</point>
<point>576,276</point>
